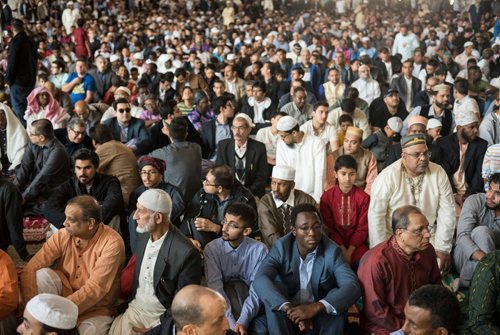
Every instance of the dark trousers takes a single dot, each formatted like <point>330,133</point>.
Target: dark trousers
<point>18,95</point>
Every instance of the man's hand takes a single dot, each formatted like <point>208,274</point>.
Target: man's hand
<point>478,255</point>
<point>304,312</point>
<point>305,325</point>
<point>240,329</point>
<point>202,224</point>
<point>459,199</point>
<point>76,81</point>
<point>444,261</point>
<point>197,245</point>
<point>141,330</point>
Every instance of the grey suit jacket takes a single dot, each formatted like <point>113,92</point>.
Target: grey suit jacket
<point>399,84</point>
<point>136,129</point>
<point>278,279</point>
<point>178,264</point>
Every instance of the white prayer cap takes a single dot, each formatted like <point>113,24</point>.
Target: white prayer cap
<point>123,89</point>
<point>466,117</point>
<point>138,55</point>
<point>156,200</point>
<point>53,310</point>
<point>284,172</point>
<point>69,3</point>
<point>365,39</point>
<point>231,57</point>
<point>114,58</point>
<point>245,117</point>
<point>395,123</point>
<point>104,55</point>
<point>433,123</point>
<point>286,123</point>
<point>363,53</point>
<point>468,44</point>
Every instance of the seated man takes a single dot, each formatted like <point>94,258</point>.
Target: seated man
<point>121,92</point>
<point>246,156</point>
<point>344,209</point>
<point>195,310</point>
<point>393,269</point>
<point>432,309</point>
<point>89,258</point>
<point>45,165</point>
<point>483,305</point>
<point>74,136</point>
<point>9,293</point>
<point>478,232</point>
<point>231,262</point>
<point>274,208</point>
<point>49,314</point>
<point>13,141</point>
<point>298,108</point>
<point>320,127</point>
<point>304,281</point>
<point>166,262</point>
<point>124,127</point>
<point>214,131</point>
<point>86,180</point>
<point>88,114</point>
<point>151,171</point>
<point>203,219</point>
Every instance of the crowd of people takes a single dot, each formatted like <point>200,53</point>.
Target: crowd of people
<point>305,161</point>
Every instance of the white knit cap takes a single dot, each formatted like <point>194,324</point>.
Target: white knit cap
<point>138,55</point>
<point>468,44</point>
<point>156,200</point>
<point>466,117</point>
<point>53,310</point>
<point>395,123</point>
<point>244,117</point>
<point>114,58</point>
<point>433,123</point>
<point>286,123</point>
<point>284,172</point>
<point>123,89</point>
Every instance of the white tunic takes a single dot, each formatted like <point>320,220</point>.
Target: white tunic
<point>368,89</point>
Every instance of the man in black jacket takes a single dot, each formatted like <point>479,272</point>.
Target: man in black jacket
<point>21,69</point>
<point>214,131</point>
<point>104,188</point>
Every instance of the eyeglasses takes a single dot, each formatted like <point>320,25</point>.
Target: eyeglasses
<point>149,173</point>
<point>206,183</point>
<point>420,232</point>
<point>231,224</point>
<point>417,155</point>
<point>306,230</point>
<point>124,110</point>
<point>239,128</point>
<point>33,134</point>
<point>78,133</point>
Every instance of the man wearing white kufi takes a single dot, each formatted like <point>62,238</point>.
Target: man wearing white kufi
<point>306,153</point>
<point>368,88</point>
<point>166,262</point>
<point>49,314</point>
<point>275,208</point>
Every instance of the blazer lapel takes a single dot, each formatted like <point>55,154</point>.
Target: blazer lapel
<point>295,268</point>
<point>231,152</point>
<point>319,264</point>
<point>249,158</point>
<point>162,259</point>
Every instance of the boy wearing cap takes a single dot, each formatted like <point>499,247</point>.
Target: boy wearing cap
<point>306,153</point>
<point>380,141</point>
<point>434,127</point>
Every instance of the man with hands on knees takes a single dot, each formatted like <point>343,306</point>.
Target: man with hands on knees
<point>304,282</point>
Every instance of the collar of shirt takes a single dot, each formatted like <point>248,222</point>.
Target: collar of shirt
<point>240,151</point>
<point>290,201</point>
<point>229,249</point>
<point>158,241</point>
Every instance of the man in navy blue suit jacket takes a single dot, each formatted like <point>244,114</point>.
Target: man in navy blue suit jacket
<point>304,282</point>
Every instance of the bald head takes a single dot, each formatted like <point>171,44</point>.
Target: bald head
<point>82,110</point>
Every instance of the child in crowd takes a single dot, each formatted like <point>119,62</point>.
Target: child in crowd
<point>344,209</point>
<point>345,121</point>
<point>380,141</point>
<point>434,127</point>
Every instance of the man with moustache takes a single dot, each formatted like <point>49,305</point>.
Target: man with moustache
<point>166,262</point>
<point>392,270</point>
<point>478,231</point>
<point>304,282</point>
<point>86,180</point>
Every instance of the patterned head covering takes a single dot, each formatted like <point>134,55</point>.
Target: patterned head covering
<point>158,164</point>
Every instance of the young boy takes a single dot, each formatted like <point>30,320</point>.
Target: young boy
<point>380,141</point>
<point>344,209</point>
<point>345,121</point>
<point>434,127</point>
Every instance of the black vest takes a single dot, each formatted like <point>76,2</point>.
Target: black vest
<point>447,120</point>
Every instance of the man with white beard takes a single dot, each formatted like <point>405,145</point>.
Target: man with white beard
<point>368,88</point>
<point>166,262</point>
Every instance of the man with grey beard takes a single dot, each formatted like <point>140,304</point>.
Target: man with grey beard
<point>155,285</point>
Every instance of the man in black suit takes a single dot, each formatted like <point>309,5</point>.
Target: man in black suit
<point>406,84</point>
<point>423,98</point>
<point>464,168</point>
<point>151,78</point>
<point>166,262</point>
<point>247,157</point>
<point>388,66</point>
<point>214,131</point>
<point>124,127</point>
<point>74,136</point>
<point>102,75</point>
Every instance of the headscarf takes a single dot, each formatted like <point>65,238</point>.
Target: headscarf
<point>52,111</point>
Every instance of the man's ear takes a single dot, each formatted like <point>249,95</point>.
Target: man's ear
<point>92,223</point>
<point>442,331</point>
<point>189,330</point>
<point>247,231</point>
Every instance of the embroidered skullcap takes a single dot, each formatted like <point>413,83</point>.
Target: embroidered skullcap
<point>53,310</point>
<point>441,87</point>
<point>156,200</point>
<point>433,123</point>
<point>284,172</point>
<point>123,89</point>
<point>158,164</point>
<point>468,44</point>
<point>411,140</point>
<point>286,123</point>
<point>417,119</point>
<point>354,131</point>
<point>466,117</point>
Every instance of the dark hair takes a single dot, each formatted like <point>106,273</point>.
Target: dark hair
<point>220,102</point>
<point>43,127</point>
<point>401,216</point>
<point>352,93</point>
<point>494,179</point>
<point>80,23</point>
<point>17,25</point>
<point>345,118</point>
<point>169,77</point>
<point>59,64</point>
<point>442,304</point>
<point>167,108</point>
<point>261,85</point>
<point>462,86</point>
<point>245,212</point>
<point>224,176</point>
<point>48,329</point>
<point>299,89</point>
<point>333,69</point>
<point>321,103</point>
<point>178,128</point>
<point>101,133</point>
<point>304,208</point>
<point>75,121</point>
<point>299,70</point>
<point>120,101</point>
<point>180,72</point>
<point>89,206</point>
<point>346,161</point>
<point>280,113</point>
<point>85,154</point>
<point>348,105</point>
<point>271,67</point>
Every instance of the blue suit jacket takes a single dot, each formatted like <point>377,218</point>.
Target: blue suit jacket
<point>136,129</point>
<point>278,279</point>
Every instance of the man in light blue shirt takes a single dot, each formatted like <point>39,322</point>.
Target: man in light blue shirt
<point>231,262</point>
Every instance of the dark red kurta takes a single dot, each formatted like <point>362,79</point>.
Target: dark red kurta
<point>346,216</point>
<point>388,276</point>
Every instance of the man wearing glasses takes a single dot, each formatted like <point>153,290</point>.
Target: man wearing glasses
<point>304,282</point>
<point>231,262</point>
<point>124,127</point>
<point>74,136</point>
<point>416,181</point>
